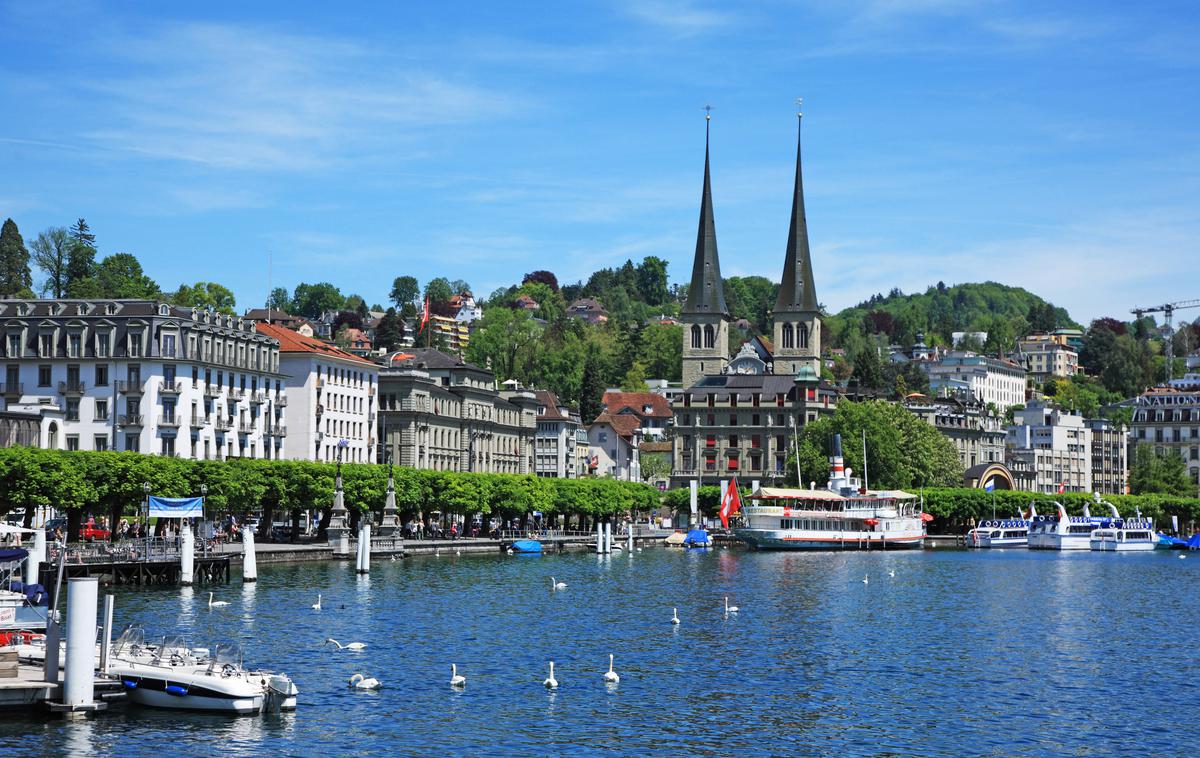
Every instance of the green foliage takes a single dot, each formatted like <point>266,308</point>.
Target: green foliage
<point>311,300</point>
<point>438,290</point>
<point>655,466</point>
<point>50,253</point>
<point>652,280</point>
<point>903,451</point>
<point>15,278</point>
<point>1165,473</point>
<point>279,300</point>
<point>205,295</point>
<point>104,481</point>
<point>592,386</point>
<point>752,298</point>
<point>390,332</point>
<point>405,290</point>
<point>1129,367</point>
<point>868,370</point>
<point>121,276</point>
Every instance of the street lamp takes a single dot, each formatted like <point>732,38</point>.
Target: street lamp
<point>146,490</point>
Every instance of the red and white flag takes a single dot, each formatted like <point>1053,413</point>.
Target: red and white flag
<point>731,502</point>
<point>425,315</point>
<point>1062,487</point>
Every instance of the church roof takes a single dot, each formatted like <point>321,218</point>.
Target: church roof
<point>706,294</point>
<point>796,289</point>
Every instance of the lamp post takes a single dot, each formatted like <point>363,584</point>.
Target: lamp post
<point>339,531</point>
<point>390,524</point>
<point>146,490</point>
<point>203,497</point>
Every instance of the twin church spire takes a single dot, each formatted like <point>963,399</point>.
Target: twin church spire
<point>705,315</point>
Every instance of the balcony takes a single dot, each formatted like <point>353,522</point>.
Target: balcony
<point>171,388</point>
<point>212,390</point>
<point>279,430</point>
<point>169,420</point>
<point>258,398</point>
<point>236,393</point>
<point>223,424</point>
<point>12,388</point>
<point>281,401</point>
<point>129,386</point>
<point>246,427</point>
<point>129,420</point>
<point>71,387</point>
<point>199,421</point>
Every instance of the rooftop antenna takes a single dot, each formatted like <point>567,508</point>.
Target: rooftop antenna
<point>269,285</point>
<point>799,107</point>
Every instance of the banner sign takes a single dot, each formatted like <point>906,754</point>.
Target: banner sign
<point>177,507</point>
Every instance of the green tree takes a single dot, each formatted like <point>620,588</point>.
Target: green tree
<point>1165,473</point>
<point>15,279</point>
<point>868,370</point>
<point>1130,366</point>
<point>438,290</point>
<point>390,333</point>
<point>121,276</point>
<point>652,280</point>
<point>205,295</point>
<point>311,300</point>
<point>591,390</point>
<point>81,233</point>
<point>279,300</point>
<point>50,252</point>
<point>654,466</point>
<point>507,340</point>
<point>405,290</point>
<point>635,379</point>
<point>661,352</point>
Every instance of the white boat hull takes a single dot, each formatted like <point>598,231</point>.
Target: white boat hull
<point>1108,546</point>
<point>804,539</point>
<point>1060,542</point>
<point>189,702</point>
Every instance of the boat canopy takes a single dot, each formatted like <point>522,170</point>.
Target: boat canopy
<point>11,554</point>
<point>698,537</point>
<point>783,493</point>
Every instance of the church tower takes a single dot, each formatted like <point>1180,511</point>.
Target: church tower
<point>704,316</point>
<point>797,319</point>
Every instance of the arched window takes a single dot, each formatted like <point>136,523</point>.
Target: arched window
<point>787,335</point>
<point>695,335</point>
<point>804,335</point>
<point>709,336</point>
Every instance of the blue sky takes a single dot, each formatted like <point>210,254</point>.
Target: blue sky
<point>1048,145</point>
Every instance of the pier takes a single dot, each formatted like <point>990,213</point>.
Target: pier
<point>153,562</point>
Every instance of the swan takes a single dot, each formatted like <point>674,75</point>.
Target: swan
<point>551,683</point>
<point>359,682</point>
<point>866,579</point>
<point>455,679</point>
<point>1182,557</point>
<point>729,608</point>
<point>557,585</point>
<point>674,616</point>
<point>348,645</point>
<point>611,676</point>
<point>892,573</point>
<point>458,552</point>
<point>216,603</point>
<point>317,605</point>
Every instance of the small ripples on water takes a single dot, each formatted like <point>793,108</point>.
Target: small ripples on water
<point>960,653</point>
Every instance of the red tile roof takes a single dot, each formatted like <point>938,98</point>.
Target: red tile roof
<point>294,342</point>
<point>624,425</point>
<point>615,402</point>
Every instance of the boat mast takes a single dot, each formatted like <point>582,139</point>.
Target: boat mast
<point>866,478</point>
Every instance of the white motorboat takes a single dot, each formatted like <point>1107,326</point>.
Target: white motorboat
<point>999,533</point>
<point>844,516</point>
<point>1063,532</point>
<point>174,675</point>
<point>1120,535</point>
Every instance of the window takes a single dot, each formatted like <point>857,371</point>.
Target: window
<point>733,440</point>
<point>169,375</point>
<point>168,446</point>
<point>604,436</point>
<point>47,345</point>
<point>14,346</point>
<point>101,410</point>
<point>709,336</point>
<point>101,376</point>
<point>100,442</point>
<point>43,376</point>
<point>73,414</point>
<point>72,442</point>
<point>168,345</point>
<point>695,335</point>
<point>132,443</point>
<point>102,344</point>
<point>135,344</point>
<point>787,336</point>
<point>803,334</point>
<point>74,345</point>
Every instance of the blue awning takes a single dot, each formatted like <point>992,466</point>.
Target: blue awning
<point>8,555</point>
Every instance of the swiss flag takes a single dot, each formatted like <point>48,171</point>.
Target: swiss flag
<point>425,315</point>
<point>731,503</point>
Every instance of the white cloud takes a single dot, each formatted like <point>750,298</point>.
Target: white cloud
<point>680,17</point>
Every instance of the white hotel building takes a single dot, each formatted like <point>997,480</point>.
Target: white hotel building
<point>331,396</point>
<point>144,376</point>
<point>990,380</point>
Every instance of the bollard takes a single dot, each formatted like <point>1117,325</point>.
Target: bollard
<point>629,528</point>
<point>79,679</point>
<point>607,536</point>
<point>249,565</point>
<point>36,555</point>
<point>106,633</point>
<point>187,554</point>
<point>53,647</point>
<point>599,537</point>
<point>364,548</point>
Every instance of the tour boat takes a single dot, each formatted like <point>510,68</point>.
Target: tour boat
<point>1063,532</point>
<point>22,606</point>
<point>999,533</point>
<point>176,676</point>
<point>844,516</point>
<point>1125,535</point>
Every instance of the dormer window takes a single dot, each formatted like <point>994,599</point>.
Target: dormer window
<point>14,346</point>
<point>103,342</point>
<point>164,310</point>
<point>46,345</point>
<point>110,309</point>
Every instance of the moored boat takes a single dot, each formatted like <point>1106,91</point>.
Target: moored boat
<point>1125,535</point>
<point>1000,533</point>
<point>844,516</point>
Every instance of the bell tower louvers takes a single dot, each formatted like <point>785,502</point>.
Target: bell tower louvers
<point>797,317</point>
<point>705,316</point>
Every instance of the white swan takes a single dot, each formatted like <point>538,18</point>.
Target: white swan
<point>866,579</point>
<point>611,676</point>
<point>557,585</point>
<point>348,645</point>
<point>216,603</point>
<point>674,616</point>
<point>317,605</point>
<point>551,683</point>
<point>455,679</point>
<point>892,573</point>
<point>729,608</point>
<point>359,682</point>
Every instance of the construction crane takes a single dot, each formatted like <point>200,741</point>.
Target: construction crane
<point>1168,310</point>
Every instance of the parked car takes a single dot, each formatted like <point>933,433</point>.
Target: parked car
<point>92,531</point>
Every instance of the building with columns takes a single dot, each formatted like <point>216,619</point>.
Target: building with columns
<point>739,415</point>
<point>439,412</point>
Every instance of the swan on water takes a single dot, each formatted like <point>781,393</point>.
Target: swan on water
<point>674,616</point>
<point>360,682</point>
<point>216,603</point>
<point>317,605</point>
<point>729,608</point>
<point>892,573</point>
<point>455,679</point>
<point>611,676</point>
<point>348,645</point>
<point>551,683</point>
<point>866,579</point>
<point>557,585</point>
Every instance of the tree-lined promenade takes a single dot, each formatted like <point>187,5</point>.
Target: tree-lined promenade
<point>112,485</point>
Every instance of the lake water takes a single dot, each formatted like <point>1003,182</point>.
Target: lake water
<point>960,653</point>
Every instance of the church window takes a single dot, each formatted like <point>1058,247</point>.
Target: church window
<point>803,335</point>
<point>695,335</point>
<point>788,340</point>
<point>709,336</point>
